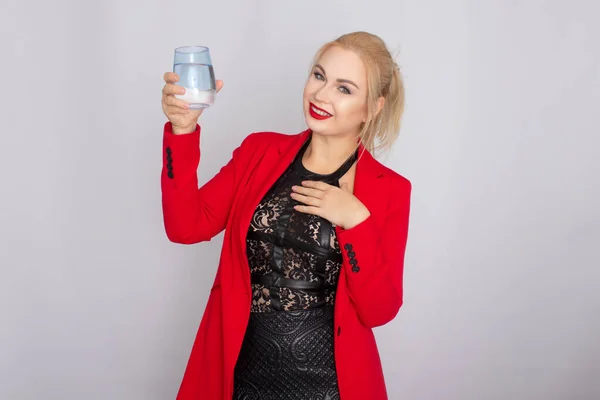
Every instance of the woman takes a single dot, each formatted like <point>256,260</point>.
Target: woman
<point>315,234</point>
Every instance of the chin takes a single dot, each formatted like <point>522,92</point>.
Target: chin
<point>319,127</point>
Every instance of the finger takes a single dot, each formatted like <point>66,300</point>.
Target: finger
<point>175,102</point>
<point>308,191</point>
<point>176,111</point>
<point>308,210</point>
<point>171,77</point>
<point>171,89</point>
<point>316,185</point>
<point>219,85</point>
<point>311,201</point>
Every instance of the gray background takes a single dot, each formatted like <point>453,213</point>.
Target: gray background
<point>500,140</point>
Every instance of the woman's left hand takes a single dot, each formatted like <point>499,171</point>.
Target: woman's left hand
<point>337,205</point>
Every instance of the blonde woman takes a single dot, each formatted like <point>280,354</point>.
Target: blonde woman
<point>315,236</point>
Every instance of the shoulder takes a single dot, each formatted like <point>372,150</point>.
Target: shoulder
<point>268,138</point>
<point>393,181</point>
<point>265,141</point>
<point>389,192</point>
<point>395,192</point>
<point>399,190</point>
<point>399,182</point>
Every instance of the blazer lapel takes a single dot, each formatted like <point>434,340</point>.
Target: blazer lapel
<point>368,171</point>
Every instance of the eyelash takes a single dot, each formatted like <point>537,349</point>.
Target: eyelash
<point>318,75</point>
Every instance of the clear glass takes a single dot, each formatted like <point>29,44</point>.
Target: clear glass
<point>196,74</point>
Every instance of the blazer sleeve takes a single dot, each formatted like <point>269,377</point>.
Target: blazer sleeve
<point>373,259</point>
<point>193,214</point>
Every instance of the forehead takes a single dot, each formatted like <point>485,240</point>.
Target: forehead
<point>340,63</point>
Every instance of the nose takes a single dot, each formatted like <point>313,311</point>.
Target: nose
<point>321,94</point>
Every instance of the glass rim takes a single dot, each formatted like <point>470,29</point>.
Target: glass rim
<point>191,49</point>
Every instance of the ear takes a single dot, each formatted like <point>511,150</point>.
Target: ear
<point>379,107</point>
<point>380,103</point>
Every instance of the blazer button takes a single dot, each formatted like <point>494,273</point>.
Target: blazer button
<point>339,330</point>
<point>170,174</point>
<point>348,246</point>
<point>169,151</point>
<point>169,158</point>
<point>353,261</point>
<point>351,254</point>
<point>356,268</point>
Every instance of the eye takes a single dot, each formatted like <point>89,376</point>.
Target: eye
<point>319,76</point>
<point>344,90</point>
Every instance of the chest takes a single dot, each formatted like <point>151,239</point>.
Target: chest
<point>349,179</point>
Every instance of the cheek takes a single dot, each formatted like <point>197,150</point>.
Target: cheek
<point>309,89</point>
<point>305,98</point>
<point>352,109</point>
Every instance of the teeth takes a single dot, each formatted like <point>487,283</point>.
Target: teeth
<point>321,113</point>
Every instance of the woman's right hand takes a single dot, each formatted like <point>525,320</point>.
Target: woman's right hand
<point>183,119</point>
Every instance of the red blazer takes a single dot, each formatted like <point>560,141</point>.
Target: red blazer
<point>367,297</point>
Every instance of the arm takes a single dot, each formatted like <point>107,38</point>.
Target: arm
<point>374,260</point>
<point>193,215</point>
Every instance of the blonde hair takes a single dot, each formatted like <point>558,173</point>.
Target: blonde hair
<point>379,131</point>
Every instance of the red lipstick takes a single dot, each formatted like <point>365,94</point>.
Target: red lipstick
<point>315,115</point>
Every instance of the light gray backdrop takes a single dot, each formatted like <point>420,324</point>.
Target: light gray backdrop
<point>500,140</point>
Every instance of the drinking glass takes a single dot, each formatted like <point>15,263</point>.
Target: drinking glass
<point>195,70</point>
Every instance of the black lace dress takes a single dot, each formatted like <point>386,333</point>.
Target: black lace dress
<point>295,260</point>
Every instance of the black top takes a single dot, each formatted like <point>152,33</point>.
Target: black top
<point>294,257</point>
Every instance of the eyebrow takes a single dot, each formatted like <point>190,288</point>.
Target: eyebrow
<point>338,80</point>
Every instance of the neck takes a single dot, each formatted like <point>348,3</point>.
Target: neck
<point>325,154</point>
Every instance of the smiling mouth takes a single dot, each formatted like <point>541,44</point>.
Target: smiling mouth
<point>318,113</point>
